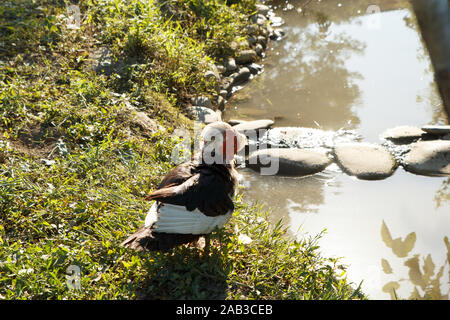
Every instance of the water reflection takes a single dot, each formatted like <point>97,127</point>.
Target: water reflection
<point>424,275</point>
<point>306,81</point>
<point>295,196</point>
<point>332,70</point>
<point>443,193</point>
<point>336,69</point>
<point>399,247</point>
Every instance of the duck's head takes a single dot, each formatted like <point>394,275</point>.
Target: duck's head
<point>221,142</point>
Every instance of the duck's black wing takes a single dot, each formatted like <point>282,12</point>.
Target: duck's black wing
<point>206,188</point>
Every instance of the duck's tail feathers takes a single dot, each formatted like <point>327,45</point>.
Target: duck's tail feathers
<point>145,239</point>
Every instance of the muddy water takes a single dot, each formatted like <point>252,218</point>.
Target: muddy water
<point>342,67</point>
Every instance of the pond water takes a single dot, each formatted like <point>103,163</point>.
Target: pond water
<point>342,66</point>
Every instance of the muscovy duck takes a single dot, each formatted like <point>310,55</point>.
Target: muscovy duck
<point>195,197</point>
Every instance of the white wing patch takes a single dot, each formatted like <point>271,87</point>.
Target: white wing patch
<point>171,218</point>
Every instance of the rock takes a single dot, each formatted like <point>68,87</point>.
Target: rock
<point>230,65</point>
<point>436,129</point>
<point>286,161</point>
<point>262,9</point>
<point>244,44</point>
<point>203,114</point>
<point>301,137</point>
<point>277,34</point>
<point>209,75</point>
<point>221,69</point>
<point>403,134</point>
<point>262,41</point>
<point>246,56</point>
<point>259,49</point>
<point>227,84</point>
<point>259,19</point>
<point>212,75</point>
<point>221,103</point>
<point>365,161</point>
<point>223,93</point>
<point>265,31</point>
<point>252,29</point>
<point>429,158</point>
<point>233,122</point>
<point>251,40</point>
<point>252,129</point>
<point>276,21</point>
<point>202,101</point>
<point>242,76</point>
<point>144,122</point>
<point>254,68</point>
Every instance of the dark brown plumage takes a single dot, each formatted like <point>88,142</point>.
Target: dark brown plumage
<point>195,186</point>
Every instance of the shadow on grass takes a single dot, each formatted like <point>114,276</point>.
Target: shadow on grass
<point>185,273</point>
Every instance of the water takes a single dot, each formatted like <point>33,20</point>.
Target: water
<point>341,67</point>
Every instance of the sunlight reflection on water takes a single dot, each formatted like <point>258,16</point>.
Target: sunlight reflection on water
<point>334,71</point>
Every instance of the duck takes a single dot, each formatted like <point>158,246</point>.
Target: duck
<point>195,197</point>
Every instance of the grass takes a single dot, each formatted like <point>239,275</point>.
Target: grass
<point>75,165</point>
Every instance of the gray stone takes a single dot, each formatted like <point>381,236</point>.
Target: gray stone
<point>403,133</point>
<point>365,161</point>
<point>276,21</point>
<point>262,9</point>
<point>202,101</point>
<point>254,68</point>
<point>234,45</point>
<point>221,103</point>
<point>221,69</point>
<point>437,129</point>
<point>277,34</point>
<point>289,162</point>
<point>252,128</point>
<point>230,65</point>
<point>301,137</point>
<point>259,19</point>
<point>227,84</point>
<point>265,31</point>
<point>212,75</point>
<point>203,114</point>
<point>262,41</point>
<point>234,122</point>
<point>234,75</point>
<point>223,93</point>
<point>251,40</point>
<point>242,76</point>
<point>252,29</point>
<point>259,49</point>
<point>246,56</point>
<point>429,158</point>
<point>144,121</point>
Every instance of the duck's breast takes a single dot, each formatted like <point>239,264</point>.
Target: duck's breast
<point>169,218</point>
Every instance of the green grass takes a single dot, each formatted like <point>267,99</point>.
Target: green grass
<point>76,210</point>
<point>75,166</point>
